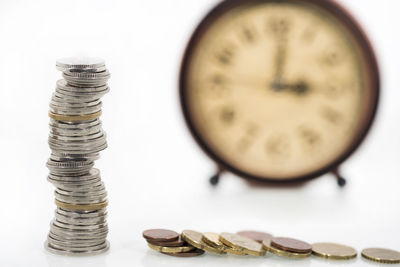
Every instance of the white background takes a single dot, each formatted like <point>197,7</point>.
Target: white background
<point>155,174</point>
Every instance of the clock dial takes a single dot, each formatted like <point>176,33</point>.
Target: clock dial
<point>277,89</point>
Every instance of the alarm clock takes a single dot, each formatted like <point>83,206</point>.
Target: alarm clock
<point>279,91</point>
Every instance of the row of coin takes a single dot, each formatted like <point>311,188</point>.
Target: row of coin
<point>192,243</point>
<point>76,138</point>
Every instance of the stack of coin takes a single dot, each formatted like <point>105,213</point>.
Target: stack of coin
<point>76,138</point>
<point>170,243</point>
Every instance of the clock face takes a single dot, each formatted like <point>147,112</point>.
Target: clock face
<point>279,90</point>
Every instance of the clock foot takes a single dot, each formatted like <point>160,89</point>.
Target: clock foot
<point>214,180</point>
<point>340,179</point>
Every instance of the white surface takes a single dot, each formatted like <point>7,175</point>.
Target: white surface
<point>155,174</point>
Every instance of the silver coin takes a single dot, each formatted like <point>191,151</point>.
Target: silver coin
<point>75,239</point>
<point>66,252</point>
<point>80,227</point>
<point>91,147</point>
<point>64,86</point>
<point>94,191</point>
<point>58,101</point>
<point>86,137</point>
<point>80,220</point>
<point>75,234</point>
<point>88,194</point>
<point>82,214</point>
<point>79,243</point>
<point>80,63</point>
<point>74,125</point>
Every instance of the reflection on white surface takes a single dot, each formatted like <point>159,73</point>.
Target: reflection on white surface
<point>155,259</point>
<point>75,261</point>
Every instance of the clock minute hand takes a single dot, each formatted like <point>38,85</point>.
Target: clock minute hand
<point>280,62</point>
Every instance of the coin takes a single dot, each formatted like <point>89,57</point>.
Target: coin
<point>73,118</point>
<point>382,255</point>
<point>71,251</point>
<point>234,251</point>
<point>255,235</point>
<point>82,63</point>
<point>333,251</point>
<point>171,249</point>
<point>81,207</point>
<point>193,253</point>
<point>195,239</point>
<point>212,239</point>
<point>238,242</point>
<point>268,247</point>
<point>291,245</point>
<point>175,243</point>
<point>161,235</point>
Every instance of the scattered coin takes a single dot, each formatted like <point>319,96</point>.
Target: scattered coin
<point>193,253</point>
<point>171,249</point>
<point>76,138</point>
<point>195,239</point>
<point>333,251</point>
<point>161,235</point>
<point>256,235</point>
<point>268,247</point>
<point>291,245</point>
<point>238,242</point>
<point>381,255</point>
<point>193,243</point>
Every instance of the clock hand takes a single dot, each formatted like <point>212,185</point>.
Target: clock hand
<point>299,88</point>
<point>280,57</point>
<point>280,60</point>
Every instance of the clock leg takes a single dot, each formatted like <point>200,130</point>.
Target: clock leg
<point>340,179</point>
<point>214,180</point>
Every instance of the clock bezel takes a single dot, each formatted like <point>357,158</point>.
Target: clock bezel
<point>372,71</point>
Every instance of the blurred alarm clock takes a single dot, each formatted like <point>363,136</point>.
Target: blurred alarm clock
<point>279,90</point>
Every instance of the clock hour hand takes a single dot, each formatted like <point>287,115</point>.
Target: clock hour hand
<point>299,88</point>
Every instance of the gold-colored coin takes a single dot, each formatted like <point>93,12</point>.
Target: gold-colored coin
<point>195,239</point>
<point>81,207</point>
<point>212,239</point>
<point>267,246</point>
<point>244,244</point>
<point>171,249</point>
<point>83,117</point>
<point>333,251</point>
<point>235,251</point>
<point>381,255</point>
